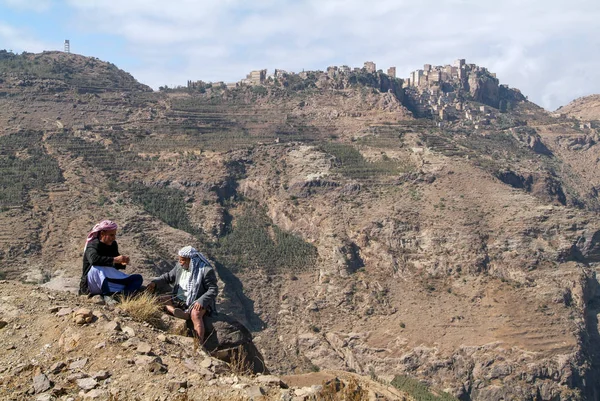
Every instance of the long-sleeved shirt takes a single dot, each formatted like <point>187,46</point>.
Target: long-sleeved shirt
<point>98,254</point>
<point>208,290</point>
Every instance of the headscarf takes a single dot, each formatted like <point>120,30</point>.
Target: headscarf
<point>197,262</point>
<point>104,225</point>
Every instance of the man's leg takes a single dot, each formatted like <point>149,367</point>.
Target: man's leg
<point>167,301</point>
<point>198,323</point>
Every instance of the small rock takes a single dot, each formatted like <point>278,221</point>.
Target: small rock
<point>206,363</point>
<point>157,368</point>
<point>304,392</point>
<point>41,383</point>
<point>270,380</point>
<point>64,312</point>
<point>76,376</point>
<point>175,385</point>
<point>112,326</point>
<point>97,300</point>
<point>79,364</point>
<point>87,384</point>
<point>100,345</point>
<point>21,368</point>
<point>11,347</point>
<point>207,374</point>
<point>57,367</point>
<point>130,343</point>
<point>95,394</point>
<point>129,331</point>
<point>83,316</point>
<point>162,338</point>
<point>255,392</point>
<point>147,360</point>
<point>45,397</point>
<point>101,375</point>
<point>53,309</point>
<point>99,315</point>
<point>144,348</point>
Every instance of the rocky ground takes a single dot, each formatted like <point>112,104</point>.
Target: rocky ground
<point>57,346</point>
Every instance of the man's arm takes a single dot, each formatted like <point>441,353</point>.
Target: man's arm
<point>166,278</point>
<point>212,289</point>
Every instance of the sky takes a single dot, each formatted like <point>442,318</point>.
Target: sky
<point>549,49</point>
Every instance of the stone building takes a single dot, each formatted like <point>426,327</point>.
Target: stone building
<point>370,67</point>
<point>255,77</point>
<point>392,72</point>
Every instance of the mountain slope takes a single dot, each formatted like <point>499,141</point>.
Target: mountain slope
<point>347,233</point>
<point>585,108</point>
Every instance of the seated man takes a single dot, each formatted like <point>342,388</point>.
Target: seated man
<point>102,264</point>
<point>194,288</point>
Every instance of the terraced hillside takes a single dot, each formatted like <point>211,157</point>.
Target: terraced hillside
<point>347,234</point>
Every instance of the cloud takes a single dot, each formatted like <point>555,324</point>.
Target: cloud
<point>30,5</point>
<point>20,40</point>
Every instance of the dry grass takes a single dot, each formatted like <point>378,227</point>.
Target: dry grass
<point>239,362</point>
<point>143,307</point>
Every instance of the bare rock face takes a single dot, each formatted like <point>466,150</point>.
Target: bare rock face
<point>484,89</point>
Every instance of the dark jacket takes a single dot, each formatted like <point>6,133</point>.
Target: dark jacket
<point>208,291</point>
<point>98,254</point>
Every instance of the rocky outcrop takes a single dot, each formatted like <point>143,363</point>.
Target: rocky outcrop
<point>229,340</point>
<point>484,88</point>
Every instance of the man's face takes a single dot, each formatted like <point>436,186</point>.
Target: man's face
<point>184,262</point>
<point>107,237</point>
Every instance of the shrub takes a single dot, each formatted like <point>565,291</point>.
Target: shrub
<point>420,391</point>
<point>336,390</point>
<point>168,204</point>
<point>255,241</point>
<point>24,165</point>
<point>143,307</point>
<point>351,163</point>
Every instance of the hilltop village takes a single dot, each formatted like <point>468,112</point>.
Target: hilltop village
<point>458,92</point>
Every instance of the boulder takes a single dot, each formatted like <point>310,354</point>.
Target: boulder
<point>228,340</point>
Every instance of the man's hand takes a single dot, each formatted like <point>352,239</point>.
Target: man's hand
<point>151,287</point>
<point>197,306</point>
<point>121,259</point>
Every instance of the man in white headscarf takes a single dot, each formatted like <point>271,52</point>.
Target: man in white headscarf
<point>195,288</point>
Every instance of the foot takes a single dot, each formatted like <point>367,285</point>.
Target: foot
<point>180,314</point>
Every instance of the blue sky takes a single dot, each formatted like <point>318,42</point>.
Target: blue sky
<point>548,49</point>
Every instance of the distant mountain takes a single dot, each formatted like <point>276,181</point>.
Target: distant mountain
<point>71,69</point>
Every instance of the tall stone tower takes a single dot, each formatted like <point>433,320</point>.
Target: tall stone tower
<point>67,46</point>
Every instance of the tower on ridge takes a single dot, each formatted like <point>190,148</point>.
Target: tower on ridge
<point>67,46</point>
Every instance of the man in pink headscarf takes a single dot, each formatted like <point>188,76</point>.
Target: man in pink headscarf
<point>102,262</point>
